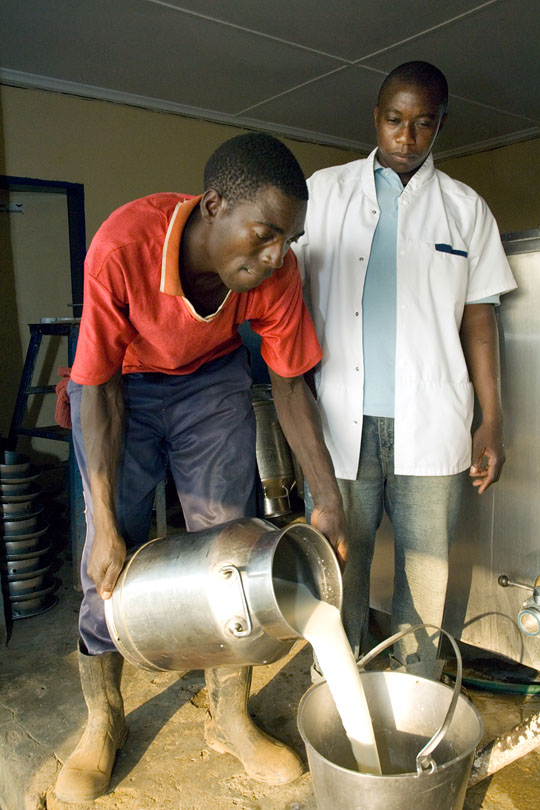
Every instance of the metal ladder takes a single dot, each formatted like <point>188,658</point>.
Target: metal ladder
<point>69,328</point>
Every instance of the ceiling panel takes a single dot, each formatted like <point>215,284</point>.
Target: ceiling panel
<point>494,59</point>
<point>343,100</point>
<point>137,47</point>
<point>349,29</point>
<point>467,123</point>
<point>307,68</point>
<point>474,127</point>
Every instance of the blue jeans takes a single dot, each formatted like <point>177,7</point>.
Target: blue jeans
<point>423,511</point>
<point>202,426</point>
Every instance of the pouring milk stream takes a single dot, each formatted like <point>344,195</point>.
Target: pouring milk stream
<point>320,624</point>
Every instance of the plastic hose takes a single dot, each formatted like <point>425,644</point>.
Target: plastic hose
<point>499,686</point>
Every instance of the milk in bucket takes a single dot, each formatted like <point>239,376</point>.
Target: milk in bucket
<point>320,624</point>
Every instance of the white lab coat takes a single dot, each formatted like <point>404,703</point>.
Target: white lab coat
<point>433,393</point>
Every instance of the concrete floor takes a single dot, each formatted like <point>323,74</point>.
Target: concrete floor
<point>166,764</point>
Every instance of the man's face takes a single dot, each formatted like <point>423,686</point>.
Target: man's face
<point>249,240</point>
<point>407,119</point>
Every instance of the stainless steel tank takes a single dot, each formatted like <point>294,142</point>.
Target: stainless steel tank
<point>497,533</point>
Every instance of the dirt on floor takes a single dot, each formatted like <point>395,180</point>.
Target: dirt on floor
<point>166,764</point>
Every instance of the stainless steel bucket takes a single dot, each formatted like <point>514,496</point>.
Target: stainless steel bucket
<point>426,735</point>
<point>274,459</point>
<point>207,598</point>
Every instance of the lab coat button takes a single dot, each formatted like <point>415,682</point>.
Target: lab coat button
<point>357,368</point>
<point>357,314</point>
<point>374,211</point>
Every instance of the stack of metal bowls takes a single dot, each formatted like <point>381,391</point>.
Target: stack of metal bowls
<point>274,460</point>
<point>25,552</point>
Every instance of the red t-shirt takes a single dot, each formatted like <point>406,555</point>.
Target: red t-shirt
<point>136,317</point>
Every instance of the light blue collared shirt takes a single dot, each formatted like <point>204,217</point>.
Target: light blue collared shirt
<point>379,301</point>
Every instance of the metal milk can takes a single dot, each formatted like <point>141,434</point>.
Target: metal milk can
<point>207,598</point>
<point>274,459</point>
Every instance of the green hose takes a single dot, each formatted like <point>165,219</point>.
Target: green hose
<point>499,686</point>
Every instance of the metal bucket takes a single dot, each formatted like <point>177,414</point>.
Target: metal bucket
<point>426,736</point>
<point>274,459</point>
<point>207,598</point>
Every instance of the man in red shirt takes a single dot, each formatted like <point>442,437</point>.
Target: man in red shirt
<point>160,378</point>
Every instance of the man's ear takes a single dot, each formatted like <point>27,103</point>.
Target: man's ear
<point>376,115</point>
<point>211,204</point>
<point>443,121</point>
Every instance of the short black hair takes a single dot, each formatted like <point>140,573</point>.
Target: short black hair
<point>422,74</point>
<point>244,164</point>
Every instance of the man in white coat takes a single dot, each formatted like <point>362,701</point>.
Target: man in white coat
<point>402,268</point>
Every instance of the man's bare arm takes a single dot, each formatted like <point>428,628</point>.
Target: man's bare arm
<point>102,412</point>
<point>480,341</point>
<point>299,417</point>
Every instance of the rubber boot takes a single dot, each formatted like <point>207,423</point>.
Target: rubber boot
<point>229,729</point>
<point>87,772</point>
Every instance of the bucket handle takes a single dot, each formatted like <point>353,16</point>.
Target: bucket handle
<point>239,626</point>
<point>425,763</point>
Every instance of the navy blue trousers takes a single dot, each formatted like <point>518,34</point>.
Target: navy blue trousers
<point>202,427</point>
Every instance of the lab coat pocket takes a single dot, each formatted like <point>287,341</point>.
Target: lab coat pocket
<point>433,436</point>
<point>446,269</point>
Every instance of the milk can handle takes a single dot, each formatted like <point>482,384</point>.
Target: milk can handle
<point>238,626</point>
<point>424,761</point>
